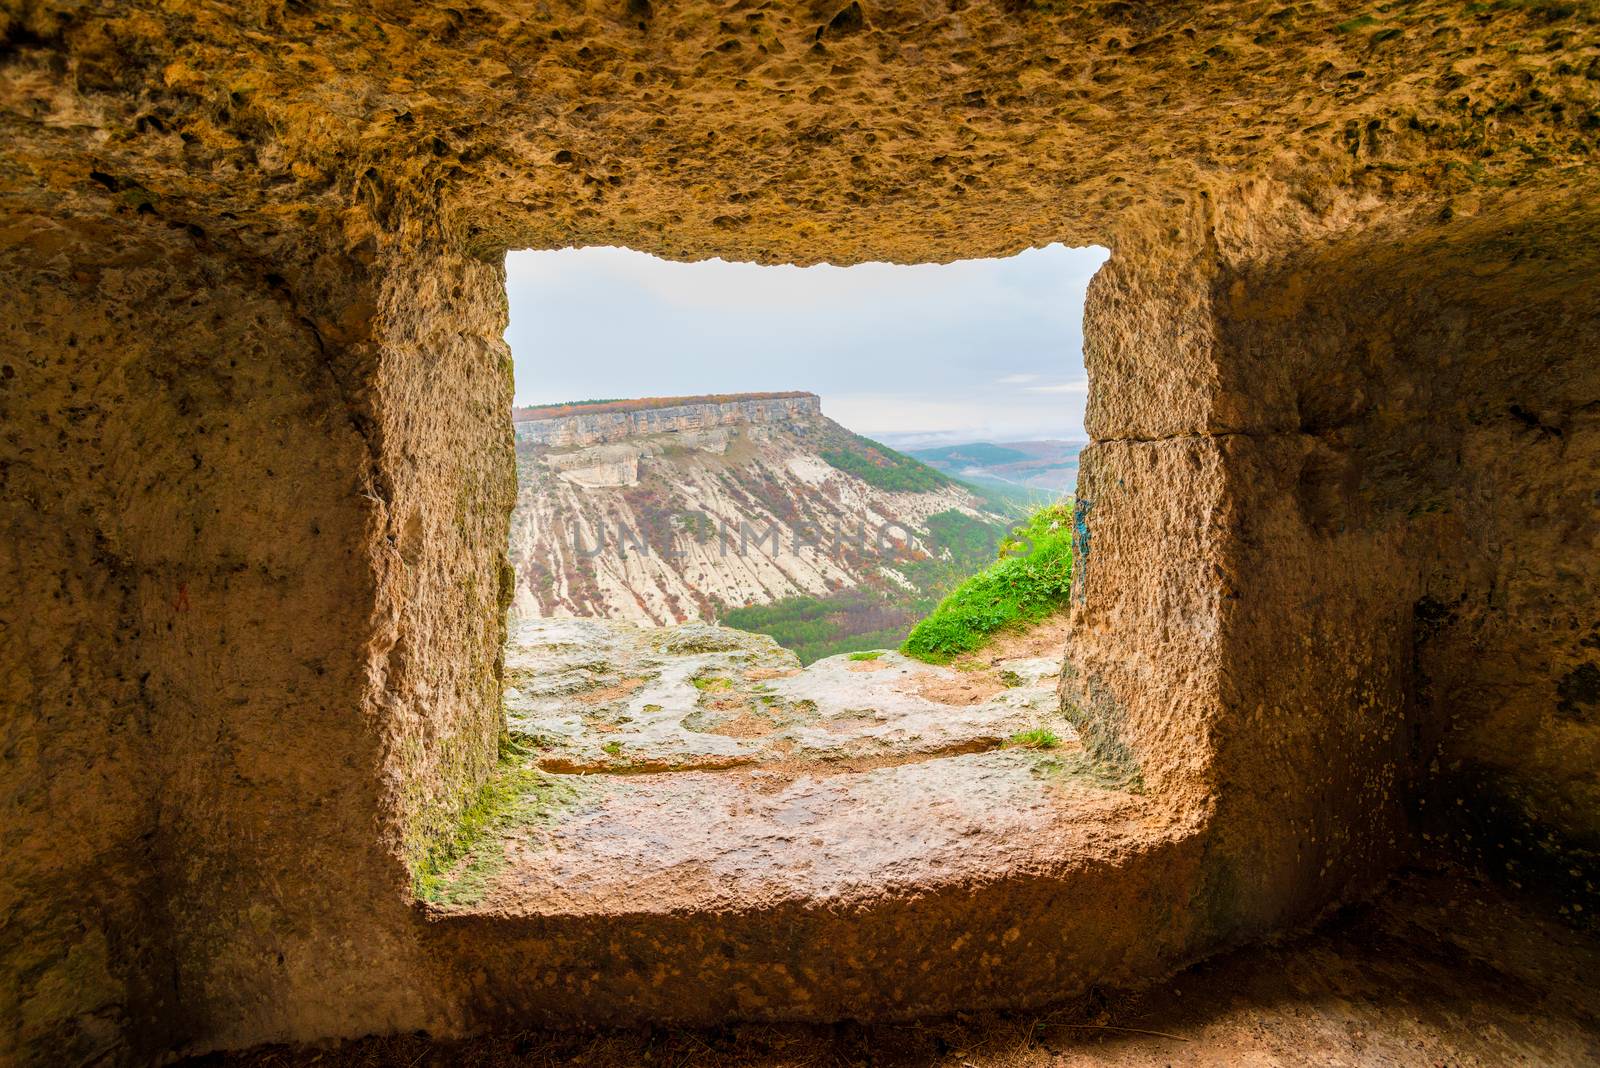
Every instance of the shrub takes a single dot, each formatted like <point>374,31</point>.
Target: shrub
<point>1037,738</point>
<point>1031,578</point>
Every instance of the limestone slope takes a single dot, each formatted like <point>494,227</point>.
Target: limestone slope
<point>669,519</point>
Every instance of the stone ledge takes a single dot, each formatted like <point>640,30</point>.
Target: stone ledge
<point>1104,903</point>
<point>881,837</point>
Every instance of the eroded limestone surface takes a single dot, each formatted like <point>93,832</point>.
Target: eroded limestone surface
<point>598,696</point>
<point>698,766</point>
<point>799,132</point>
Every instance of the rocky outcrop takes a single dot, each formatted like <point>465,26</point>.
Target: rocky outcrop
<point>605,465</point>
<point>593,696</point>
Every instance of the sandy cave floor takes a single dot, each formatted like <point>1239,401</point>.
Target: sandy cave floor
<point>1444,969</point>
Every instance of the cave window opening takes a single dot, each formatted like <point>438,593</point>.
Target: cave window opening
<point>819,454</point>
<point>743,494</point>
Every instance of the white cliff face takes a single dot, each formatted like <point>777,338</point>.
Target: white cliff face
<point>598,427</point>
<point>665,527</point>
<point>603,465</point>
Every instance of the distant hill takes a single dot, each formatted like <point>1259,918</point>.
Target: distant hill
<point>1049,466</point>
<point>978,452</point>
<point>755,509</point>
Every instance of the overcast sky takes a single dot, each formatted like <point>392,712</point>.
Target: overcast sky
<point>970,351</point>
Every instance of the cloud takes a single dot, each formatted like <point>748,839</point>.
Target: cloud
<point>986,347</point>
<point>966,419</point>
<point>1031,284</point>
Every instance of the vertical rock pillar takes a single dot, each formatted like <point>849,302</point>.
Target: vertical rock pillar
<point>255,515</point>
<point>1250,666</point>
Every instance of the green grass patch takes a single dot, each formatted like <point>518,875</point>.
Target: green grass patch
<point>457,867</point>
<point>612,748</point>
<point>873,655</point>
<point>1031,578</point>
<point>712,684</point>
<point>1037,738</point>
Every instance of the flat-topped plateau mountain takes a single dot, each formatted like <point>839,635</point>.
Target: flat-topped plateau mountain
<point>662,510</point>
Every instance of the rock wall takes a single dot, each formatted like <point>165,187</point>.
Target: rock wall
<point>235,699</point>
<point>1435,393</point>
<point>79,948</point>
<point>1356,425</point>
<point>1338,520</point>
<point>167,407</point>
<point>596,428</point>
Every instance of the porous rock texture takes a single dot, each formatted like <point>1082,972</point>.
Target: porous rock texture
<point>1337,527</point>
<point>702,831</point>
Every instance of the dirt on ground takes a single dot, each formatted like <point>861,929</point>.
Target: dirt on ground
<point>961,691</point>
<point>1046,638</point>
<point>980,674</point>
<point>614,692</point>
<point>1444,970</point>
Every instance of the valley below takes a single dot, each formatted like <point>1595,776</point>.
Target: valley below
<point>1040,470</point>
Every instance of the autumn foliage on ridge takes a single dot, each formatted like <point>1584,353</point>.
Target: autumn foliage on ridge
<point>552,411</point>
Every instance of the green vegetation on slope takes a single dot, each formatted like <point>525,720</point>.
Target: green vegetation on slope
<point>970,541</point>
<point>815,627</point>
<point>860,619</point>
<point>880,466</point>
<point>1008,498</point>
<point>1031,578</point>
